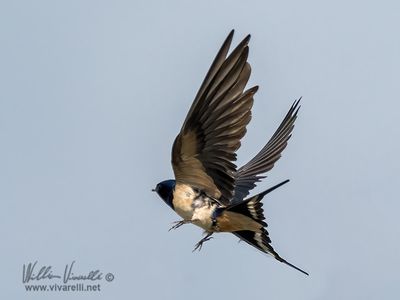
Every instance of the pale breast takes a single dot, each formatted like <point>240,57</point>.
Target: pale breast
<point>182,201</point>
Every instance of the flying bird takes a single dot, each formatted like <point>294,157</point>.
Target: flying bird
<point>209,190</point>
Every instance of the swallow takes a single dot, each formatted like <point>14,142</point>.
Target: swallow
<point>209,190</point>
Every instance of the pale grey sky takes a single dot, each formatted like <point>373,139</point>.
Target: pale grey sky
<point>93,93</point>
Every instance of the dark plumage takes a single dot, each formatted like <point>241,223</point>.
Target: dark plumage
<point>247,176</point>
<point>165,190</point>
<point>204,150</point>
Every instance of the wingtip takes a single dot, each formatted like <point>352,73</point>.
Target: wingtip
<point>232,32</point>
<point>244,42</point>
<point>254,89</point>
<point>296,103</point>
<point>295,107</point>
<point>230,36</point>
<point>227,43</point>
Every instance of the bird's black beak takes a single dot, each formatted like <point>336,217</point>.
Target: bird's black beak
<point>153,190</point>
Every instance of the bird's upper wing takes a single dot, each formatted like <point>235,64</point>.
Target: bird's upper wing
<point>248,175</point>
<point>204,150</point>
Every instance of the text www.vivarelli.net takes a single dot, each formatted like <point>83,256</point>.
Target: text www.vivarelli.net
<point>79,287</point>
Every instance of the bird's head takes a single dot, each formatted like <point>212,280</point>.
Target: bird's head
<point>165,190</point>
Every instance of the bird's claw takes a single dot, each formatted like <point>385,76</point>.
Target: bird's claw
<point>199,245</point>
<point>177,224</point>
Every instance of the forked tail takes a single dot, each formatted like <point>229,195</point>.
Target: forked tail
<point>252,208</point>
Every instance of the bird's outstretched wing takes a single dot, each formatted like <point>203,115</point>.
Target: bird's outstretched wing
<point>204,150</point>
<point>248,175</point>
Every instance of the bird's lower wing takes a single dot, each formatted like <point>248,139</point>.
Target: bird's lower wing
<point>248,175</point>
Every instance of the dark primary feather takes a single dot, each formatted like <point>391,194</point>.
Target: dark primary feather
<point>248,175</point>
<point>204,150</point>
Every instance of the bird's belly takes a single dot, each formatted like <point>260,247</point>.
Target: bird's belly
<point>182,201</point>
<point>202,217</point>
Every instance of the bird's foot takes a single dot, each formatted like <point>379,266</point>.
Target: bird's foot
<point>199,245</point>
<point>178,224</point>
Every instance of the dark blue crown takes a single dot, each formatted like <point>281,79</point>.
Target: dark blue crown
<point>165,190</point>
